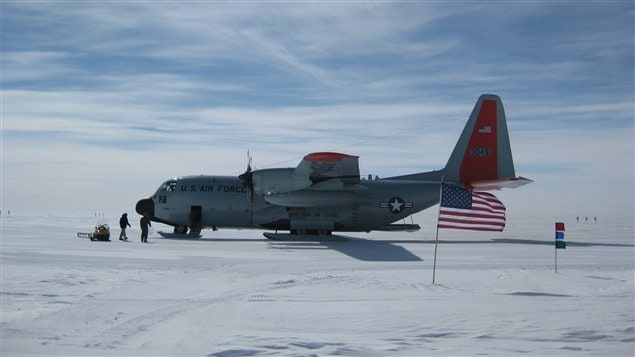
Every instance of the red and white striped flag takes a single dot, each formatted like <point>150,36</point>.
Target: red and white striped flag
<point>464,209</point>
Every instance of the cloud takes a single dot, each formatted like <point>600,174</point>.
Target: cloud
<point>94,92</point>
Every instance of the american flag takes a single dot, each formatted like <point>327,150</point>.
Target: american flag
<point>485,129</point>
<point>464,209</point>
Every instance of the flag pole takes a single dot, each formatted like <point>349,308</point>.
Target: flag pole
<point>436,240</point>
<point>556,254</point>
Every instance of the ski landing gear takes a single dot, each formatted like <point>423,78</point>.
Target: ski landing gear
<point>305,235</point>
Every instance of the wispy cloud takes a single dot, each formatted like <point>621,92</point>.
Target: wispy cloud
<point>95,91</point>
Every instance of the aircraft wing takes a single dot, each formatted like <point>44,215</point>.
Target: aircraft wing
<point>321,179</point>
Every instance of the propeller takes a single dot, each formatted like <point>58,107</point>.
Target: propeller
<point>247,176</point>
<point>247,179</point>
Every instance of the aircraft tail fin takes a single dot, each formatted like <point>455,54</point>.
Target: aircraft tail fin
<point>482,158</point>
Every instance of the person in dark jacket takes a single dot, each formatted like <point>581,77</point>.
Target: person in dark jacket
<point>144,223</point>
<point>123,223</point>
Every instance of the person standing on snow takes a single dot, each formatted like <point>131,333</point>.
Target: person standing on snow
<point>123,223</point>
<point>144,223</point>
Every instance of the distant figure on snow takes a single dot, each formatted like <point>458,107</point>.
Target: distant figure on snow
<point>123,223</point>
<point>144,223</point>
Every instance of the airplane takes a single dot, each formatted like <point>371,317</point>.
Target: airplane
<point>325,193</point>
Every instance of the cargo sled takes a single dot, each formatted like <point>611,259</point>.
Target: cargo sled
<point>101,233</point>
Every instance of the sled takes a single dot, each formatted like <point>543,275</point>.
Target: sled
<point>101,233</point>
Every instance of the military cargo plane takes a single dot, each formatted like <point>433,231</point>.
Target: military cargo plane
<point>326,194</point>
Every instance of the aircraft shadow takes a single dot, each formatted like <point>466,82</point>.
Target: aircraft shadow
<point>509,241</point>
<point>381,250</point>
<point>216,240</point>
<point>360,249</point>
<point>404,241</point>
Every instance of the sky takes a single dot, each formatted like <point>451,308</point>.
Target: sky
<point>103,101</point>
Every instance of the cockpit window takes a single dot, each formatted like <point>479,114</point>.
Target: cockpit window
<point>169,186</point>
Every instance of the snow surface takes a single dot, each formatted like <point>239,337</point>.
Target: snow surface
<point>234,293</point>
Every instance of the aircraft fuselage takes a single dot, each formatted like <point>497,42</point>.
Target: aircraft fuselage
<point>225,202</point>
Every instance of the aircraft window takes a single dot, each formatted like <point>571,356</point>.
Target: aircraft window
<point>170,186</point>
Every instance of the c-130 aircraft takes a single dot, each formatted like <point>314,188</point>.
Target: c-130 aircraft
<point>325,193</point>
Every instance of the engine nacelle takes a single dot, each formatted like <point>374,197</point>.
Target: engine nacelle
<point>278,180</point>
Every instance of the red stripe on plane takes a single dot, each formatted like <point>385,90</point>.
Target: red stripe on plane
<point>327,157</point>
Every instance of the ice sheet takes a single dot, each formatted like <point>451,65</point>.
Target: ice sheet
<point>235,293</point>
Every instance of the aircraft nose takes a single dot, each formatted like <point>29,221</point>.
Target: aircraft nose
<point>145,206</point>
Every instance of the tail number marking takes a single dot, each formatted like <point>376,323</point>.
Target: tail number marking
<point>480,152</point>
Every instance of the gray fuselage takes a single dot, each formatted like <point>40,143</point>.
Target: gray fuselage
<point>225,202</point>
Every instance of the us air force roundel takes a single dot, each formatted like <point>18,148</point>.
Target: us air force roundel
<point>396,205</point>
